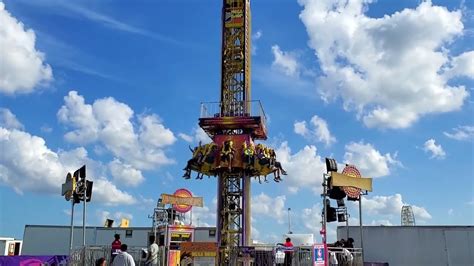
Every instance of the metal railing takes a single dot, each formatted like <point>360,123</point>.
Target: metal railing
<point>343,258</point>
<point>214,109</point>
<point>260,256</point>
<point>93,253</point>
<point>301,256</point>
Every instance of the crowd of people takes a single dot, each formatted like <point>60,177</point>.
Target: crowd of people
<point>120,257</point>
<point>256,160</point>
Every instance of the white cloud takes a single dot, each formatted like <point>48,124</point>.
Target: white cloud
<point>391,206</point>
<point>201,136</point>
<point>264,205</point>
<point>461,133</point>
<point>111,123</point>
<point>381,222</point>
<point>125,174</point>
<point>206,215</point>
<point>435,150</point>
<point>255,37</point>
<point>285,62</point>
<point>387,69</point>
<point>8,119</point>
<point>462,65</point>
<point>107,193</point>
<point>197,135</point>
<point>368,160</point>
<point>22,67</point>
<point>320,131</point>
<point>27,164</point>
<point>185,137</point>
<point>305,168</point>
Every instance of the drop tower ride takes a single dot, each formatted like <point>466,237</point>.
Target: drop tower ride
<point>234,124</point>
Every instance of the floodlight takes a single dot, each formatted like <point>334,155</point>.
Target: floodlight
<point>331,165</point>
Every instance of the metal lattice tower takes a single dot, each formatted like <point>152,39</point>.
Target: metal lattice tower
<point>407,216</point>
<point>232,121</point>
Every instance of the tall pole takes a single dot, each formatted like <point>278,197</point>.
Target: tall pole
<point>324,234</point>
<point>289,221</point>
<point>347,224</point>
<point>84,220</point>
<point>71,234</point>
<point>360,227</point>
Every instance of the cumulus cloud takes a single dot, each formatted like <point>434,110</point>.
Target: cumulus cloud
<point>22,67</point>
<point>125,174</point>
<point>285,62</point>
<point>435,150</point>
<point>391,206</point>
<point>8,120</point>
<point>461,133</point>
<point>198,135</point>
<point>27,164</point>
<point>305,168</point>
<point>264,205</point>
<point>462,65</point>
<point>319,131</point>
<point>111,124</point>
<point>388,69</point>
<point>368,160</point>
<point>205,216</point>
<point>107,193</point>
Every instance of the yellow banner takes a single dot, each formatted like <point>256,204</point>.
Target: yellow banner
<point>203,254</point>
<point>172,199</point>
<point>340,180</point>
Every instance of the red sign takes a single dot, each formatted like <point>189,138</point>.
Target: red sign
<point>182,193</point>
<point>351,171</point>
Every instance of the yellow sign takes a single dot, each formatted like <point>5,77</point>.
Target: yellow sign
<point>180,234</point>
<point>124,223</point>
<point>172,199</point>
<point>203,254</point>
<point>340,180</point>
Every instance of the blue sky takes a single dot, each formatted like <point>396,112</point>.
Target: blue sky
<point>385,85</point>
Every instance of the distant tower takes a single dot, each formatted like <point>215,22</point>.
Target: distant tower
<point>408,218</point>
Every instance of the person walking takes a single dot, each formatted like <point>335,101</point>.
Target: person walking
<point>288,252</point>
<point>152,256</point>
<point>123,259</point>
<point>116,244</point>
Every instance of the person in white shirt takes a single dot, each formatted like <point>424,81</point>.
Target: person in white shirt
<point>123,258</point>
<point>152,257</point>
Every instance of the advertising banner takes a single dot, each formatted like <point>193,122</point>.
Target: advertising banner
<point>33,260</point>
<point>319,252</point>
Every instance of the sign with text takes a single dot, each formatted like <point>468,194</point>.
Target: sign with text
<point>319,254</point>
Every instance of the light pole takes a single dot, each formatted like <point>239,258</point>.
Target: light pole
<point>289,221</point>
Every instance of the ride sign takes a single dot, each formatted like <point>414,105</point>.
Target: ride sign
<point>352,171</point>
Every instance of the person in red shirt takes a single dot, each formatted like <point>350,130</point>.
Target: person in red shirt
<point>116,244</point>
<point>288,252</point>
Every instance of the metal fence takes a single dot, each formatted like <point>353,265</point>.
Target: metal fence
<point>255,256</point>
<point>301,256</point>
<point>93,253</point>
